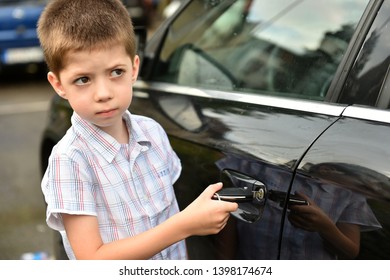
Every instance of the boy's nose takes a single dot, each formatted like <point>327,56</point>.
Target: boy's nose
<point>103,92</point>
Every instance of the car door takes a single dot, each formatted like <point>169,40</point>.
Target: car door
<point>351,158</point>
<point>243,88</point>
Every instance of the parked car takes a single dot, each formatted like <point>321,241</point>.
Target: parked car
<point>19,44</point>
<point>286,102</point>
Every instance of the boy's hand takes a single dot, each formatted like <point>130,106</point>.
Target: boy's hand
<point>207,216</point>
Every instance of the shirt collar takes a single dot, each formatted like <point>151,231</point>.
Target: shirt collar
<point>104,143</point>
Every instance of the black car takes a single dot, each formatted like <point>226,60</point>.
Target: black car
<point>286,102</point>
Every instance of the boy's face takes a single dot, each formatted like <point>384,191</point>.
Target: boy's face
<point>98,84</point>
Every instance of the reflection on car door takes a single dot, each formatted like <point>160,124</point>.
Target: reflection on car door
<point>346,172</point>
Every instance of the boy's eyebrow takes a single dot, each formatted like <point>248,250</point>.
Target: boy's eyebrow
<point>118,65</point>
<point>79,72</point>
<point>83,72</point>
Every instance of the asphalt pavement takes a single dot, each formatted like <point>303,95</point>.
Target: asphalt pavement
<point>23,114</point>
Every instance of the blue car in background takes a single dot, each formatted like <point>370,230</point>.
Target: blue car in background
<point>19,44</point>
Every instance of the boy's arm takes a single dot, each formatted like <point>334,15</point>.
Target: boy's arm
<point>84,237</point>
<point>202,217</point>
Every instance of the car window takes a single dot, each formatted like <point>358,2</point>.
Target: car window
<point>366,82</point>
<point>280,47</point>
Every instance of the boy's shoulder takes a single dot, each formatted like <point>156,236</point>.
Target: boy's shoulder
<point>68,142</point>
<point>143,119</point>
<point>147,129</point>
<point>144,123</point>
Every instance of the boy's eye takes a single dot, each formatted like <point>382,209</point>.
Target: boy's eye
<point>117,72</point>
<point>82,81</point>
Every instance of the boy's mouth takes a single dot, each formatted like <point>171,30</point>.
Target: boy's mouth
<point>107,113</point>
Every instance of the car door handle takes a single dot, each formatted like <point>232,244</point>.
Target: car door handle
<point>249,193</point>
<point>239,187</point>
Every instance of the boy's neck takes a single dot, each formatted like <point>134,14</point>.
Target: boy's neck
<point>120,133</point>
<point>123,135</point>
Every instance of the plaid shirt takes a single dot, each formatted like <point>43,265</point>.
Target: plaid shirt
<point>128,187</point>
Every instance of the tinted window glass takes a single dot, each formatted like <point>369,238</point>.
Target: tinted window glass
<point>365,81</point>
<point>279,47</point>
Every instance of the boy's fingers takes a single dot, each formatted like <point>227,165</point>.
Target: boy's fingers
<point>212,189</point>
<point>231,206</point>
<point>228,206</point>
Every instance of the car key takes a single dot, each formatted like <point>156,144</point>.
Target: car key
<point>234,195</point>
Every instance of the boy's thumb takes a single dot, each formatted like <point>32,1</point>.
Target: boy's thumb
<point>212,189</point>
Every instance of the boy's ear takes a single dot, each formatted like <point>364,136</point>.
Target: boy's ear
<point>56,84</point>
<point>136,62</point>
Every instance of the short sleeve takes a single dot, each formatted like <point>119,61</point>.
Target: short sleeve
<point>174,161</point>
<point>67,189</point>
<point>175,166</point>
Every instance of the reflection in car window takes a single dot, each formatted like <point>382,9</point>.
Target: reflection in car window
<point>278,47</point>
<point>365,84</point>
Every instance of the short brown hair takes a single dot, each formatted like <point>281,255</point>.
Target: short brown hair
<point>67,25</point>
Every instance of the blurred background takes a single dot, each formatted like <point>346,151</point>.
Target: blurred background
<point>23,113</point>
<point>24,102</point>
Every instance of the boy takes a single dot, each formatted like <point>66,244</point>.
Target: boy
<point>109,181</point>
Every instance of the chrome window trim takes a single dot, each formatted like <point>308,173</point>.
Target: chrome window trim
<point>141,89</point>
<point>383,100</point>
<point>367,113</point>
